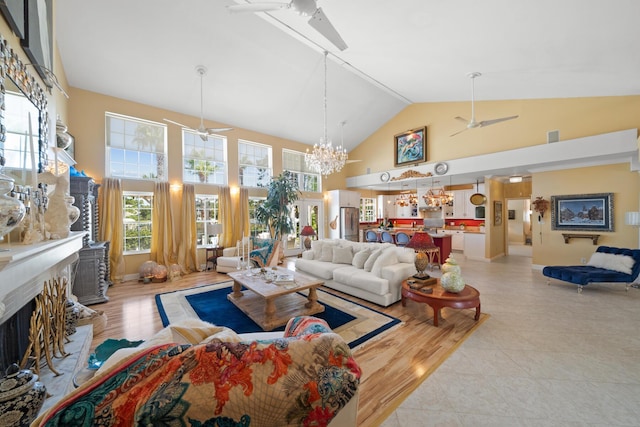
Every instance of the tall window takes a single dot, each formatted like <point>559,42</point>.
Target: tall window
<point>368,210</point>
<point>136,148</point>
<point>204,161</point>
<point>137,221</point>
<point>308,180</point>
<point>207,209</point>
<point>255,164</point>
<point>17,145</point>
<point>256,228</point>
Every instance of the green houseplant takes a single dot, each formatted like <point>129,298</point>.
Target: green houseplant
<point>275,212</point>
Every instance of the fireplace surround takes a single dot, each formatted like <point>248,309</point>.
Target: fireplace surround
<point>25,268</point>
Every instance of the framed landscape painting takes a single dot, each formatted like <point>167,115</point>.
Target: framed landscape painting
<point>582,212</point>
<point>410,146</point>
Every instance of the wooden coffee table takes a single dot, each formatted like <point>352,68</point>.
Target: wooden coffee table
<point>271,305</point>
<point>439,298</point>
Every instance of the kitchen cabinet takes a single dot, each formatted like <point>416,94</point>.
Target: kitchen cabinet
<point>386,206</point>
<point>462,206</point>
<point>474,244</point>
<point>457,239</point>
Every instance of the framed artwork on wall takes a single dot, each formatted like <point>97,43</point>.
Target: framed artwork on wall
<point>582,212</point>
<point>497,213</point>
<point>13,12</point>
<point>410,147</point>
<point>38,38</point>
<point>512,213</point>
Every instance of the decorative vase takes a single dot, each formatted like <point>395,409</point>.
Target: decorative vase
<point>73,211</point>
<point>452,282</point>
<point>72,315</point>
<point>450,266</point>
<point>21,397</point>
<point>11,210</point>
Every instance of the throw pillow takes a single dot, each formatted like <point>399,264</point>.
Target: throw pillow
<point>387,257</point>
<point>621,263</point>
<point>327,253</point>
<point>360,258</point>
<point>368,265</point>
<point>316,247</point>
<point>407,255</point>
<point>342,255</point>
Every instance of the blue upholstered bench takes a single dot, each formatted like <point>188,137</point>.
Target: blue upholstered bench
<point>598,269</point>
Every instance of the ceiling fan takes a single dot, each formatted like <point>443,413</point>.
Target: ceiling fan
<point>318,20</point>
<point>471,124</point>
<point>202,131</point>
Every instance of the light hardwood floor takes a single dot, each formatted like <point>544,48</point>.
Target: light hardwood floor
<point>393,366</point>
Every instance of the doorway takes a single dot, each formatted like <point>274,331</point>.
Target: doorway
<point>519,227</point>
<point>303,212</point>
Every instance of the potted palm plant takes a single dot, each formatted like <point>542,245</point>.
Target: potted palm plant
<point>275,212</point>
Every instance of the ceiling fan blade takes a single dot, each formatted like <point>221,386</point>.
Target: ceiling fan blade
<point>176,123</point>
<point>462,119</point>
<point>321,23</point>
<point>494,121</point>
<point>460,131</point>
<point>353,161</point>
<point>257,7</point>
<point>216,130</point>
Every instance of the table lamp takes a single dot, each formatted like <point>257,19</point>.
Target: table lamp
<point>216,230</point>
<point>422,242</point>
<point>307,231</point>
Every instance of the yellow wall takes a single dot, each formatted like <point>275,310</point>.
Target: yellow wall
<point>87,124</point>
<point>573,117</point>
<point>549,247</point>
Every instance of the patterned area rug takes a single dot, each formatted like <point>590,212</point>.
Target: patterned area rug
<point>354,322</point>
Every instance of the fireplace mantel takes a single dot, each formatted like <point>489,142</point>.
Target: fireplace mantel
<point>25,268</point>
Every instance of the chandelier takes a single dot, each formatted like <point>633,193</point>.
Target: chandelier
<point>325,159</point>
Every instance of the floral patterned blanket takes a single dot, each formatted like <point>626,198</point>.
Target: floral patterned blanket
<point>303,379</point>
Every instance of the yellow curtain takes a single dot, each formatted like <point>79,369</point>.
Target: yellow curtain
<point>225,215</point>
<point>187,254</point>
<point>162,234</point>
<point>110,228</point>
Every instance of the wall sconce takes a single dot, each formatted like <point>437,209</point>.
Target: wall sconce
<point>515,179</point>
<point>540,205</point>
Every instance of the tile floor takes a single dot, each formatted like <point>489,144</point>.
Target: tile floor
<point>547,356</point>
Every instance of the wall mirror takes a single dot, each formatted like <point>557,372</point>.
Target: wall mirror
<point>22,100</point>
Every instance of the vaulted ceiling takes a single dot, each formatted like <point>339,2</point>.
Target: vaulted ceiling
<point>265,70</point>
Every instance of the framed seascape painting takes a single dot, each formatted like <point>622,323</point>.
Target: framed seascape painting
<point>497,213</point>
<point>582,212</point>
<point>410,147</point>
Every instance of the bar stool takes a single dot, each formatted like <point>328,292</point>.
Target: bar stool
<point>386,237</point>
<point>402,238</point>
<point>371,236</point>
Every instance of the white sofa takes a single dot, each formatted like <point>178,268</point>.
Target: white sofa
<point>371,271</point>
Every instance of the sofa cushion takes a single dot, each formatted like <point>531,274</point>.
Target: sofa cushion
<point>621,263</point>
<point>387,257</point>
<point>360,258</point>
<point>342,255</point>
<point>361,279</point>
<point>368,265</point>
<point>319,269</point>
<point>406,255</point>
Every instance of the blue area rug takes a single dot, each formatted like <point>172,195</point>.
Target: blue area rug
<point>354,322</point>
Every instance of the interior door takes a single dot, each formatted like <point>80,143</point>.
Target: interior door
<point>304,212</point>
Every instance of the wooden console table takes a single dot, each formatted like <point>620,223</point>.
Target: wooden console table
<point>569,236</point>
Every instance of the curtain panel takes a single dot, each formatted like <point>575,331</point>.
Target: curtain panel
<point>162,232</point>
<point>111,227</point>
<point>187,252</point>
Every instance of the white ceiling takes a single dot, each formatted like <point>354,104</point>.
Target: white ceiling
<point>264,77</point>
